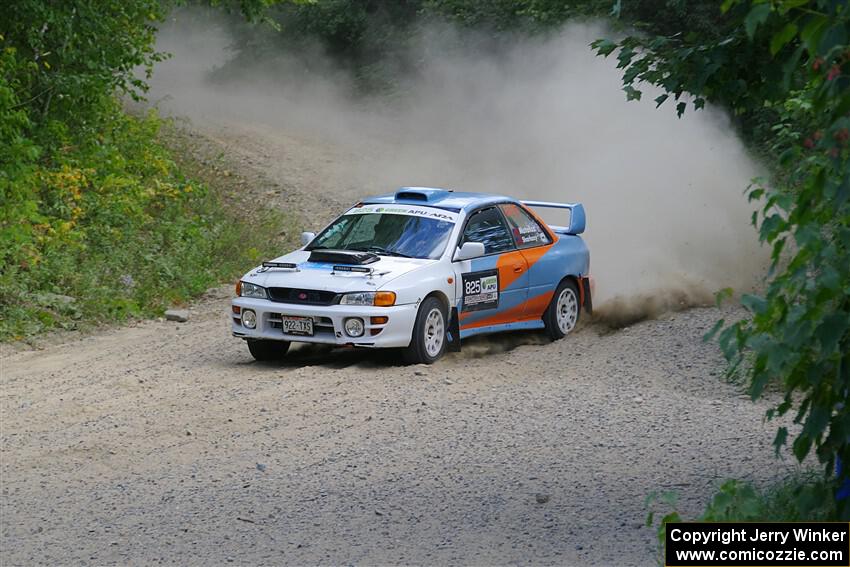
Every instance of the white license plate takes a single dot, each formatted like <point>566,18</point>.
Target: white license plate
<point>297,325</point>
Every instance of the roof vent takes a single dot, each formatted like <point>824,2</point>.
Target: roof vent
<point>411,196</point>
<point>419,194</point>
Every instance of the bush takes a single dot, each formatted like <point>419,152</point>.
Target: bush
<point>804,497</point>
<point>110,228</point>
<point>97,223</point>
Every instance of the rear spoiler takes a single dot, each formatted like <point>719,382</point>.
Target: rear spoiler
<point>577,216</point>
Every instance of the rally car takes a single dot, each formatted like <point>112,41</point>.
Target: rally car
<point>421,269</point>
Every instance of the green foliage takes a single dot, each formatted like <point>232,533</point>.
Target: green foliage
<point>528,15</point>
<point>75,54</point>
<point>801,498</point>
<point>112,230</point>
<point>96,222</point>
<point>791,57</point>
<point>372,39</point>
<point>667,501</point>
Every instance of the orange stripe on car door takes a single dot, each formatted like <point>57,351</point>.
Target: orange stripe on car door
<point>532,255</point>
<point>511,266</point>
<point>535,306</point>
<point>532,309</point>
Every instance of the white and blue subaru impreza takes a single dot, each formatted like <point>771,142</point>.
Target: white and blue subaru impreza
<point>421,270</point>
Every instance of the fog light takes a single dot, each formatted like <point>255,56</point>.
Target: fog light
<point>249,319</point>
<point>354,327</point>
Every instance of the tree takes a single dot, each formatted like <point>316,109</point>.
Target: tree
<point>790,58</point>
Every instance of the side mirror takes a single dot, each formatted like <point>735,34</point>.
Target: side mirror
<point>307,238</point>
<point>469,250</point>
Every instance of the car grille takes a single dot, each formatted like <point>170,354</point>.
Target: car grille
<point>303,296</point>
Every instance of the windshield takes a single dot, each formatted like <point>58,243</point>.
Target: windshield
<point>412,232</point>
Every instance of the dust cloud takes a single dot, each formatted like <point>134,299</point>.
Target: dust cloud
<point>541,118</point>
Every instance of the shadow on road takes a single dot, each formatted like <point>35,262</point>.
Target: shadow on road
<point>304,354</point>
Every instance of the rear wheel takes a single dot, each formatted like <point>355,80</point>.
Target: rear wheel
<point>429,334</point>
<point>267,350</point>
<point>563,313</point>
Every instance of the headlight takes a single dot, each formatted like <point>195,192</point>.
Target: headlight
<point>379,298</point>
<point>362,298</point>
<point>252,290</point>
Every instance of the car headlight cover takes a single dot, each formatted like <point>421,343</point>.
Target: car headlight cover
<point>252,290</point>
<point>379,298</point>
<point>354,327</point>
<point>249,319</point>
<point>360,298</point>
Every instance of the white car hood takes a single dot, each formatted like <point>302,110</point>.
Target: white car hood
<point>320,276</point>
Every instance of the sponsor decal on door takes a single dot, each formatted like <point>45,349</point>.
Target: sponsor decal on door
<point>481,290</point>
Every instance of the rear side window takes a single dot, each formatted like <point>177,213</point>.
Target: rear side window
<point>525,229</point>
<point>488,227</point>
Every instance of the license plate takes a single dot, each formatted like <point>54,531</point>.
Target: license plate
<point>297,325</point>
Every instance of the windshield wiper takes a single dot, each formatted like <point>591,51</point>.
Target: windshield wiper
<point>381,250</point>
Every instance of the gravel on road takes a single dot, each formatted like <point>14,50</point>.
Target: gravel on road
<point>167,443</point>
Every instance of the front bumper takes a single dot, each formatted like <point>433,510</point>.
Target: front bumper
<point>328,321</point>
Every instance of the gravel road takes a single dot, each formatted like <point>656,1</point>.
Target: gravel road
<point>166,443</point>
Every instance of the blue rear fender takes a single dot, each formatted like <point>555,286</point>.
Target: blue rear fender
<point>569,256</point>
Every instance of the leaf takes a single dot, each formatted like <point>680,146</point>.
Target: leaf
<point>659,100</point>
<point>780,439</point>
<point>835,36</point>
<point>604,47</point>
<point>831,330</point>
<point>786,156</point>
<point>680,108</point>
<point>727,341</point>
<point>722,295</point>
<point>632,93</point>
<point>757,385</point>
<point>754,303</point>
<point>781,38</point>
<point>625,57</point>
<point>842,108</point>
<point>811,33</point>
<point>757,16</point>
<point>713,331</point>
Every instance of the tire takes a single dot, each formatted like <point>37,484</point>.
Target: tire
<point>428,343</point>
<point>267,350</point>
<point>564,311</point>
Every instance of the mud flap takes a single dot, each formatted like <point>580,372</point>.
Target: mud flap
<point>454,332</point>
<point>588,301</point>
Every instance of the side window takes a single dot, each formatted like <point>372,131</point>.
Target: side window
<point>525,229</point>
<point>488,227</point>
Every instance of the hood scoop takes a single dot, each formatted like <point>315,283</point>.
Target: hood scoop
<point>349,257</point>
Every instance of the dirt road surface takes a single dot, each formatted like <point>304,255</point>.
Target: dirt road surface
<point>166,443</point>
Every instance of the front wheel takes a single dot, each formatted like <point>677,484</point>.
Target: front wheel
<point>267,350</point>
<point>562,315</point>
<point>429,334</point>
